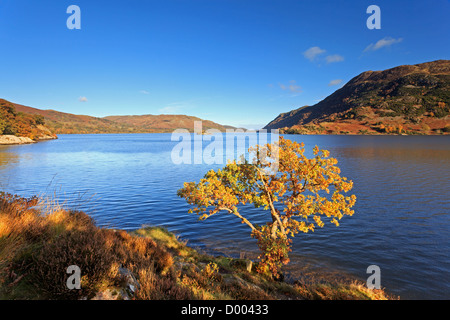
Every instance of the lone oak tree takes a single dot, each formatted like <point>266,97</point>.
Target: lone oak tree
<point>297,196</point>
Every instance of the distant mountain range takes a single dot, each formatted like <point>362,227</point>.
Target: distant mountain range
<point>409,99</point>
<point>67,123</point>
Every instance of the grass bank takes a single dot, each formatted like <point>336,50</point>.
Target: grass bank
<point>38,242</point>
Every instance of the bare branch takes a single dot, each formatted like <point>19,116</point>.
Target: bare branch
<point>237,214</point>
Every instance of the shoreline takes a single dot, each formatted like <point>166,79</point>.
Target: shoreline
<point>8,140</point>
<point>150,263</point>
<point>281,133</point>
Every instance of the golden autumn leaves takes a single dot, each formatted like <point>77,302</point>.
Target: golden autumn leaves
<point>303,194</point>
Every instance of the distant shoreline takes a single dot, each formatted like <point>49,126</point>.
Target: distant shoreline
<point>10,140</point>
<point>281,133</point>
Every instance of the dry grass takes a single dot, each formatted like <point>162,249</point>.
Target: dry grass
<point>39,240</point>
<point>36,248</point>
<point>339,289</point>
<point>160,288</point>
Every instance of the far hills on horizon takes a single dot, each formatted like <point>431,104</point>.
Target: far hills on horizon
<point>408,99</point>
<point>67,123</point>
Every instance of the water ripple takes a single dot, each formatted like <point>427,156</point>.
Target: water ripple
<point>125,181</point>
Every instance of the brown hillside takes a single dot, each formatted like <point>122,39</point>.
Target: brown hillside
<point>405,99</point>
<point>61,122</point>
<point>164,122</point>
<point>17,123</point>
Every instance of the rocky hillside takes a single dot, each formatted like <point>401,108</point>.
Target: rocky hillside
<point>18,127</point>
<point>409,99</point>
<point>63,123</point>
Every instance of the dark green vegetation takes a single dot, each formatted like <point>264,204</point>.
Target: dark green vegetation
<point>38,241</point>
<point>412,99</point>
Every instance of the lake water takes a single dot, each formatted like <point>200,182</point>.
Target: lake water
<point>401,221</point>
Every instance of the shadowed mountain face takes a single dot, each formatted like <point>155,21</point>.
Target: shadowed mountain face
<point>404,99</point>
<point>61,122</point>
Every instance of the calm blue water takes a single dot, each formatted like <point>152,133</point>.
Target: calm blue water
<point>401,221</point>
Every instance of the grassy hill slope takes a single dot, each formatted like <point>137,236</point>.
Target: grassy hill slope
<point>63,123</point>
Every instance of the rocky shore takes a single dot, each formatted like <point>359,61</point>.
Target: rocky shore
<point>11,140</point>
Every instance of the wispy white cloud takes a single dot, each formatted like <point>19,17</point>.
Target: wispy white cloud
<point>185,106</point>
<point>292,87</point>
<point>334,58</point>
<point>170,110</point>
<point>385,42</point>
<point>295,88</point>
<point>312,53</point>
<point>82,99</point>
<point>335,82</point>
<point>144,92</point>
<point>176,107</point>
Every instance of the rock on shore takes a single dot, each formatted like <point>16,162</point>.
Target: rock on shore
<point>10,139</point>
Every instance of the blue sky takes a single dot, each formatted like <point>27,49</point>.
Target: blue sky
<point>236,62</point>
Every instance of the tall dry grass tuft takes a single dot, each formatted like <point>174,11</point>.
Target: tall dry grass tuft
<point>39,246</point>
<point>340,290</point>
<point>40,240</point>
<point>133,250</point>
<point>154,287</point>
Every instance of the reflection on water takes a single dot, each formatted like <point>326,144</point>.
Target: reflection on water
<point>400,155</point>
<point>401,182</point>
<point>7,158</point>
